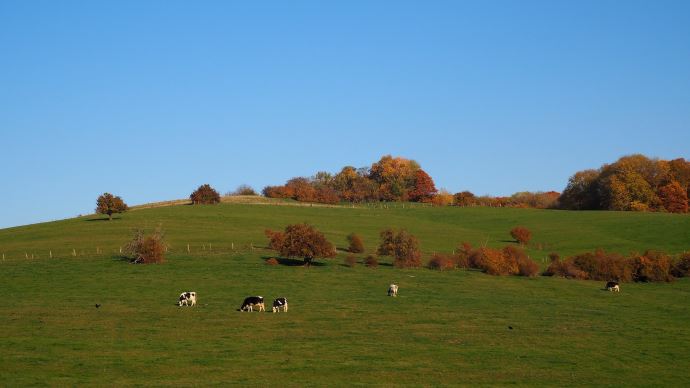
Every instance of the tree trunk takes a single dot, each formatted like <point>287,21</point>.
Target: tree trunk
<point>110,216</point>
<point>307,261</point>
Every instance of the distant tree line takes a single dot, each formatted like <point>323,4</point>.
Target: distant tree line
<point>389,179</point>
<point>633,182</point>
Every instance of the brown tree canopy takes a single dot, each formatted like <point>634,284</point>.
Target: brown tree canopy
<point>674,197</point>
<point>389,179</point>
<point>301,240</point>
<point>423,189</point>
<point>110,204</point>
<point>205,195</point>
<point>521,234</point>
<point>633,182</point>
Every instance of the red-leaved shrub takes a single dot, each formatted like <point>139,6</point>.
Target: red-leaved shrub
<point>521,234</point>
<point>441,262</point>
<point>272,261</point>
<point>350,260</point>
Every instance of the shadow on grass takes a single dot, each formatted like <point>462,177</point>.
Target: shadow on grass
<point>509,241</point>
<point>292,262</point>
<point>102,219</point>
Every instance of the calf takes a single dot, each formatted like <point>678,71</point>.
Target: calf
<point>251,301</point>
<point>280,303</point>
<point>393,290</point>
<point>187,298</point>
<point>613,286</point>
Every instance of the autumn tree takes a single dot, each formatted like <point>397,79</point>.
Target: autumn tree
<point>423,189</point>
<point>674,197</point>
<point>205,195</point>
<point>301,240</point>
<point>395,177</point>
<point>582,192</point>
<point>403,246</point>
<point>110,204</point>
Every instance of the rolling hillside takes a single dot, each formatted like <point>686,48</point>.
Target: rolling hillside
<point>446,328</point>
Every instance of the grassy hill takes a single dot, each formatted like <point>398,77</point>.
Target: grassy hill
<point>445,327</point>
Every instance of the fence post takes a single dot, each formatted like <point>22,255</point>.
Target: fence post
<point>187,247</point>
<point>74,252</point>
<point>251,246</point>
<point>51,254</point>
<point>209,246</point>
<point>232,245</point>
<point>26,255</point>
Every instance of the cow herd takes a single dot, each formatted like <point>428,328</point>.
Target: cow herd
<point>188,298</point>
<point>250,303</point>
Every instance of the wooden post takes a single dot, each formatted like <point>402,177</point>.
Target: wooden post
<point>51,254</point>
<point>187,247</point>
<point>74,252</point>
<point>26,255</point>
<point>120,250</point>
<point>232,245</point>
<point>32,256</point>
<point>209,246</point>
<point>251,246</point>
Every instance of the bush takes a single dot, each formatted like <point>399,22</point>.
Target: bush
<point>652,267</point>
<point>441,262</point>
<point>403,246</point>
<point>356,244</point>
<point>518,261</point>
<point>205,195</point>
<point>350,260</point>
<point>681,267</point>
<point>521,234</point>
<point>147,249</point>
<point>462,255</point>
<point>272,261</point>
<point>371,261</point>
<point>243,190</point>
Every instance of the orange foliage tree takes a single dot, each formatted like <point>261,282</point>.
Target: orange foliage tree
<point>205,194</point>
<point>674,197</point>
<point>301,240</point>
<point>423,189</point>
<point>110,204</point>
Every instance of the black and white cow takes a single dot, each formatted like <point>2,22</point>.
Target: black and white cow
<point>393,290</point>
<point>251,301</point>
<point>613,286</point>
<point>280,303</point>
<point>187,298</point>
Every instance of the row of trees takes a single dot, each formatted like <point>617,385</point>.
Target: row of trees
<point>633,182</point>
<point>389,179</point>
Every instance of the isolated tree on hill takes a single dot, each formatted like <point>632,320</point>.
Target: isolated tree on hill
<point>464,198</point>
<point>301,240</point>
<point>110,204</point>
<point>205,195</point>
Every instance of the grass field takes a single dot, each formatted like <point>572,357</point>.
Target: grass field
<point>445,328</point>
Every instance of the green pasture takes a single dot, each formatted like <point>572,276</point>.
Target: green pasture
<point>446,328</point>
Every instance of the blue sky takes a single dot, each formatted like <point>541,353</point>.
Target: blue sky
<point>148,100</point>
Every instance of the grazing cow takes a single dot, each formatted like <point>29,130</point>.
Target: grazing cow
<point>187,298</point>
<point>613,286</point>
<point>251,301</point>
<point>393,290</point>
<point>280,303</point>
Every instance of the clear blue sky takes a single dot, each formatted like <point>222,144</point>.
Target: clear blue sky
<point>150,99</point>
